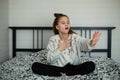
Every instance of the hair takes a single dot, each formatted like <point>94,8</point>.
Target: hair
<point>56,20</point>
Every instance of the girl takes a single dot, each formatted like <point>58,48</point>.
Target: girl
<point>64,51</point>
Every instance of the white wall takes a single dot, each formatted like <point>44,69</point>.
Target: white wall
<point>3,30</point>
<point>81,13</point>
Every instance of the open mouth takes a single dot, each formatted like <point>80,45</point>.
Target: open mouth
<point>66,28</point>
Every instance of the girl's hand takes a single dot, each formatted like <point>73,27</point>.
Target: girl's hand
<point>95,38</point>
<point>64,44</point>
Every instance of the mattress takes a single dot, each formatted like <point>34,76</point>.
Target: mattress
<point>19,68</point>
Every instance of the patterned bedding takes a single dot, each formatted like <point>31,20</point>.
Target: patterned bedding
<point>19,68</point>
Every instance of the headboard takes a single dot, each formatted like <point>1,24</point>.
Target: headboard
<point>39,35</point>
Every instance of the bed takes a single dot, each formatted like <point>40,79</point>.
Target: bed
<point>23,55</point>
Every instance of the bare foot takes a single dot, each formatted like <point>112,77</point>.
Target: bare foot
<point>63,74</point>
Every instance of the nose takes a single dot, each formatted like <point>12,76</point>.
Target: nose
<point>66,24</point>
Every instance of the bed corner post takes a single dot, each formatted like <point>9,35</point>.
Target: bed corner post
<point>14,42</point>
<point>109,41</point>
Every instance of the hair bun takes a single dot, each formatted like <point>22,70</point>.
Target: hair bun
<point>57,14</point>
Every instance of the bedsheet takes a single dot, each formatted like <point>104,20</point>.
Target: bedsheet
<point>19,68</point>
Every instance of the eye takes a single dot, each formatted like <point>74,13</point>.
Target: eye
<point>62,23</point>
<point>68,23</point>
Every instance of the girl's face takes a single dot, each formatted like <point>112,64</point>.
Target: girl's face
<point>63,26</point>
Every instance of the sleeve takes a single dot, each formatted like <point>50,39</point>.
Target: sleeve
<point>53,53</point>
<point>84,44</point>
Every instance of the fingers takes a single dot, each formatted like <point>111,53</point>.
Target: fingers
<point>65,41</point>
<point>96,35</point>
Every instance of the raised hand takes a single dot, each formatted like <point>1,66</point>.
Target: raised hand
<point>95,38</point>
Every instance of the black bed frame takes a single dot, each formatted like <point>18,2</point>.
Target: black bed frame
<point>42,28</point>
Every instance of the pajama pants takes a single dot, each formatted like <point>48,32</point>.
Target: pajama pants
<point>70,70</point>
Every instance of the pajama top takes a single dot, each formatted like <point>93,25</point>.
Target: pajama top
<point>69,55</point>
